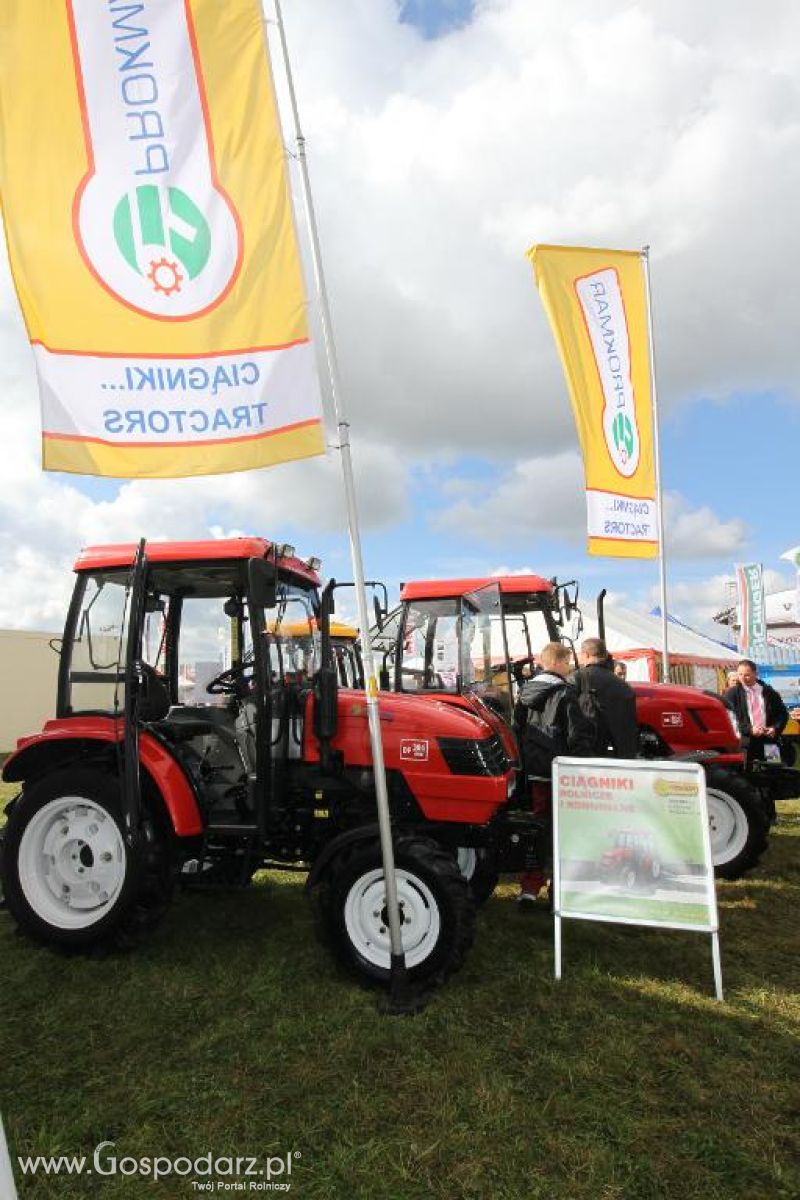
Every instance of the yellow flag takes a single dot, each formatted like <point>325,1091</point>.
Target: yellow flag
<point>152,239</point>
<point>597,307</point>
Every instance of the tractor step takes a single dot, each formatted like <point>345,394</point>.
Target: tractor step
<point>233,829</point>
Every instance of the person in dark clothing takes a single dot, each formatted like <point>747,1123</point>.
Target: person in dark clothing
<point>758,708</point>
<point>616,699</point>
<point>549,722</point>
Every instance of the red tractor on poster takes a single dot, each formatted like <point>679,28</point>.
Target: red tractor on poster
<point>631,860</point>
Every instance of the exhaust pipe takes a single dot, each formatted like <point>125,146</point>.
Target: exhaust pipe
<point>601,619</point>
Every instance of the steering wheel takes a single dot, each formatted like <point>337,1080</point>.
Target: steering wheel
<point>230,682</point>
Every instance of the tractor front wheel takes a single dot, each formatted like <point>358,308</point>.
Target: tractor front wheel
<point>437,911</point>
<point>71,880</point>
<point>738,823</point>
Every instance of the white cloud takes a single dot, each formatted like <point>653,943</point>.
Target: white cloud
<point>698,601</point>
<point>698,532</point>
<point>544,497</point>
<point>435,164</point>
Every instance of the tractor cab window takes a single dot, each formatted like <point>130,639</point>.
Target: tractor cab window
<point>292,639</point>
<point>485,668</point>
<point>430,647</point>
<point>210,646</point>
<point>93,654</point>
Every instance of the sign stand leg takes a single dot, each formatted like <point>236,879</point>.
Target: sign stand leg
<point>557,944</point>
<point>717,965</point>
<point>7,1187</point>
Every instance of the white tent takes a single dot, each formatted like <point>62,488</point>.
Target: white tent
<point>637,639</point>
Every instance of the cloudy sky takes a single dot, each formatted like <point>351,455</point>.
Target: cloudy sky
<point>444,138</point>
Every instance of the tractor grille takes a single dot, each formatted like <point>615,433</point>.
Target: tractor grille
<point>465,756</point>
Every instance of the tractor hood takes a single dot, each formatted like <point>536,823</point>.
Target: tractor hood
<point>435,717</point>
<point>454,763</point>
<point>685,719</point>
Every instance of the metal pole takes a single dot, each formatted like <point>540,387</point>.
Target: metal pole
<point>557,946</point>
<point>715,957</point>
<point>662,559</point>
<point>371,681</point>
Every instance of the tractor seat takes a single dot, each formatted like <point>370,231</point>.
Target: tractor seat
<point>181,724</point>
<point>153,696</point>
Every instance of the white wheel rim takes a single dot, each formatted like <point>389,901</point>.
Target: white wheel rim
<point>467,858</point>
<point>368,928</point>
<point>728,825</point>
<point>71,862</point>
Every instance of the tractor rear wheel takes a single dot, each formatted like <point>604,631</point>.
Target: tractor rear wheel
<point>71,881</point>
<point>478,868</point>
<point>738,823</point>
<point>436,908</point>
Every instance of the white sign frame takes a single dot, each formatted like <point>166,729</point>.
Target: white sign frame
<point>665,768</point>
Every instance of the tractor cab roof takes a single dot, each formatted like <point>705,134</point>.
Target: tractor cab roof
<point>519,592</point>
<point>216,550</point>
<point>299,629</point>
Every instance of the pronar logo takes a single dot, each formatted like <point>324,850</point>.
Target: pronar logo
<point>676,787</point>
<point>600,297</point>
<point>622,432</point>
<point>152,219</point>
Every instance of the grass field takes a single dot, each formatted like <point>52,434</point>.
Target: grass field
<point>232,1031</point>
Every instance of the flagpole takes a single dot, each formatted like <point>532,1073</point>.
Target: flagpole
<point>662,557</point>
<point>398,963</point>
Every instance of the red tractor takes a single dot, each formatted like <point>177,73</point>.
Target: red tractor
<point>470,642</point>
<point>186,747</point>
<point>631,860</point>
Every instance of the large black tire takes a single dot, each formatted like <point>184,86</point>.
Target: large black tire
<point>479,869</point>
<point>436,905</point>
<point>738,823</point>
<point>70,880</point>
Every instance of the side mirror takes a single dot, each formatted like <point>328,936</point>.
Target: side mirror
<point>379,613</point>
<point>262,583</point>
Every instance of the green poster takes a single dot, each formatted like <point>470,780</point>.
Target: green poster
<point>632,844</point>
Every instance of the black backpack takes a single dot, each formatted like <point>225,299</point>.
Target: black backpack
<point>590,707</point>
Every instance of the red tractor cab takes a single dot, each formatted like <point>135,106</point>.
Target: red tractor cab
<point>192,741</point>
<point>473,641</point>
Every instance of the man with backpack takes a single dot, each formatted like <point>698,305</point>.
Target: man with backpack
<point>608,699</point>
<point>550,721</point>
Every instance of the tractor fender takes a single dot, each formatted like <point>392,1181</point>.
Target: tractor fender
<point>364,833</point>
<point>62,742</point>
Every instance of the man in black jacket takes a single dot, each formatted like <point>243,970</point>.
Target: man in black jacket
<point>549,721</point>
<point>759,709</point>
<point>615,698</point>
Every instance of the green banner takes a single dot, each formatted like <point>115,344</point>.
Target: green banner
<point>632,843</point>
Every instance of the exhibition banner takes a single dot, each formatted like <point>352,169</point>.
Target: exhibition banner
<point>631,843</point>
<point>752,605</point>
<point>596,302</point>
<point>151,237</point>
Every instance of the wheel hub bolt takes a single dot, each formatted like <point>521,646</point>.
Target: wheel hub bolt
<point>105,856</point>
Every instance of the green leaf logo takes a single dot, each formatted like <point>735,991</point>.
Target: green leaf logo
<point>622,432</point>
<point>162,219</point>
